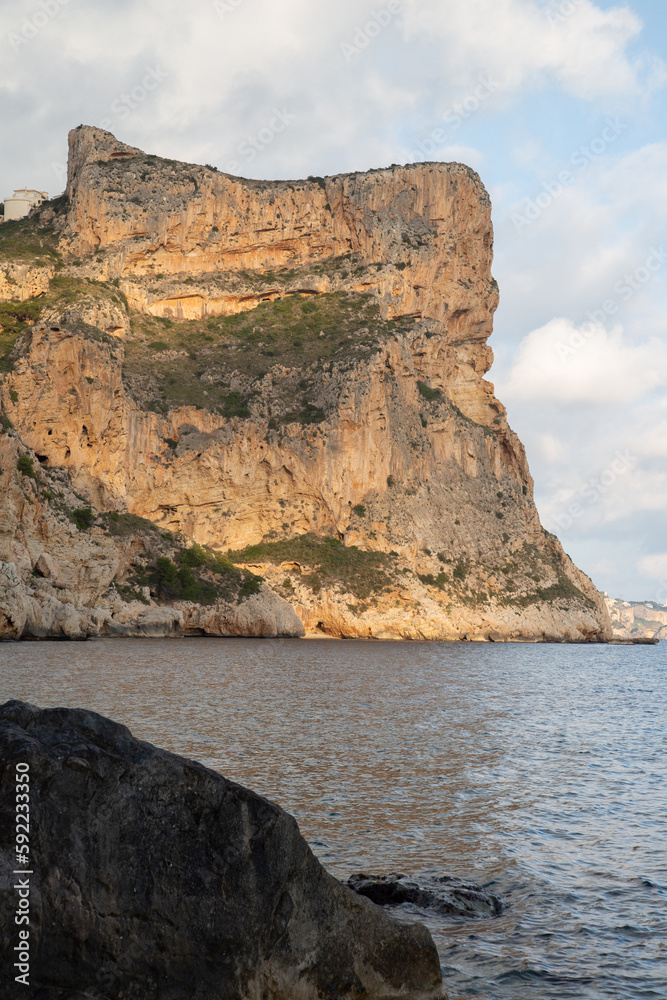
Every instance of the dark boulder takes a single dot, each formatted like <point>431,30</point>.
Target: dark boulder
<point>155,878</point>
<point>442,894</point>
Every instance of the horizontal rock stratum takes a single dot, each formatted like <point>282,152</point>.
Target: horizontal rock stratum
<point>288,372</point>
<point>154,878</point>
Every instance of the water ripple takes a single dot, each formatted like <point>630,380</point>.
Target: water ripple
<point>536,770</point>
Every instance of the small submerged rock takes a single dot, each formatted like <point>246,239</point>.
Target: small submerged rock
<point>441,894</point>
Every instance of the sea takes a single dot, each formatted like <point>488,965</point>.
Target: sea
<point>539,771</point>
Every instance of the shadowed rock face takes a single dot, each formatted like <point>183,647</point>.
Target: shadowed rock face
<point>157,879</point>
<point>442,894</point>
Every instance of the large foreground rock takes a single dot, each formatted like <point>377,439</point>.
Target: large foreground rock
<point>157,879</point>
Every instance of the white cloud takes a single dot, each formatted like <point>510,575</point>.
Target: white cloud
<point>563,363</point>
<point>553,449</point>
<point>652,439</point>
<point>588,240</point>
<point>516,40</point>
<point>654,566</point>
<point>619,179</point>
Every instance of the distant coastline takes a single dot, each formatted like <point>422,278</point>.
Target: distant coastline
<point>637,619</point>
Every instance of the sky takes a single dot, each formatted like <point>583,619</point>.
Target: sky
<point>560,105</point>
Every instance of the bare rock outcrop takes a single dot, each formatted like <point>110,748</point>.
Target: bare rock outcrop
<point>152,877</point>
<point>444,895</point>
<point>14,605</point>
<point>96,311</point>
<point>262,614</point>
<point>20,281</point>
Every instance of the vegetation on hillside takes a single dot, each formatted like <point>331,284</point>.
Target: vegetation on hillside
<point>193,574</point>
<point>169,357</point>
<point>33,239</point>
<point>526,580</point>
<point>123,525</point>
<point>326,562</point>
<point>14,318</point>
<point>64,292</point>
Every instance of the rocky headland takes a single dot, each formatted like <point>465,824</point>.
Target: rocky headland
<point>154,878</point>
<point>249,407</point>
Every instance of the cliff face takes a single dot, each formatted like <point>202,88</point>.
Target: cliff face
<point>66,571</point>
<point>637,620</point>
<point>249,363</point>
<point>421,238</point>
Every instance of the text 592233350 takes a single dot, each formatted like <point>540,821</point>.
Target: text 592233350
<point>21,950</point>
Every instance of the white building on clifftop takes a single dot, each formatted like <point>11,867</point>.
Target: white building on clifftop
<point>23,201</point>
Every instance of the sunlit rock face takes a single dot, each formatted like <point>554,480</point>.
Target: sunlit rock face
<point>299,357</point>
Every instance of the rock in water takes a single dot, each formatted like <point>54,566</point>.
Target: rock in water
<point>441,894</point>
<point>154,878</point>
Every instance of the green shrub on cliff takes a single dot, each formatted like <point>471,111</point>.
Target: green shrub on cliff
<point>194,556</point>
<point>179,582</point>
<point>25,465</point>
<point>83,518</point>
<point>122,525</point>
<point>251,585</point>
<point>234,405</point>
<point>199,575</point>
<point>308,414</point>
<point>14,316</point>
<point>428,393</point>
<point>438,581</point>
<point>460,571</point>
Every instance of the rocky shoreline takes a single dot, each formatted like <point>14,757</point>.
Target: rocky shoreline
<point>69,571</point>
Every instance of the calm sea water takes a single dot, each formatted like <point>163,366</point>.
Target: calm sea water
<point>537,770</point>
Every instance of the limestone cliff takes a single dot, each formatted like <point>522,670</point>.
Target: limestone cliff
<point>293,372</point>
<point>637,619</point>
<point>66,571</point>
